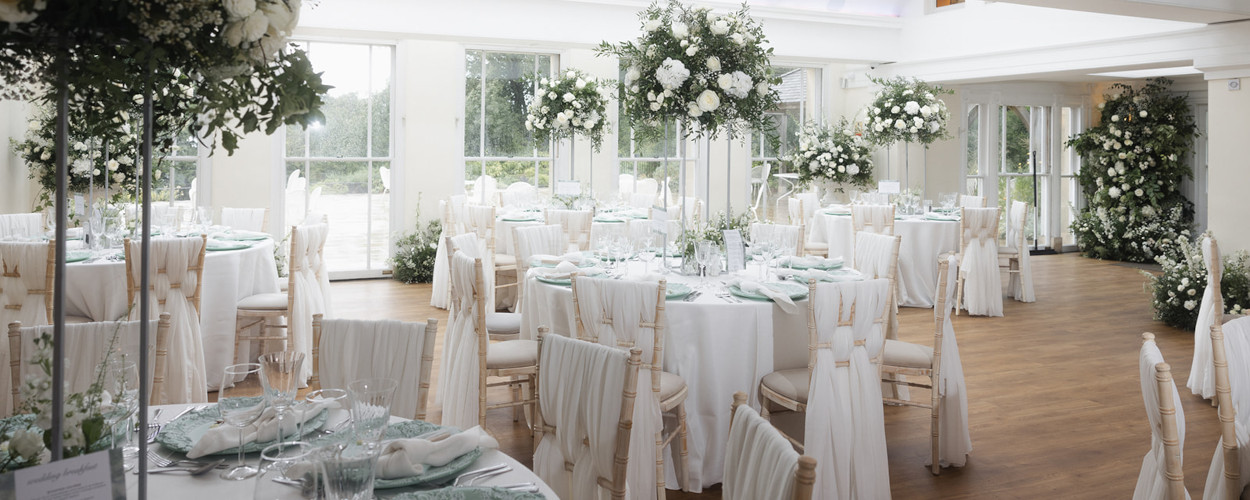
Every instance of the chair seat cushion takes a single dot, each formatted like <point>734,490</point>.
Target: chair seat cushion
<point>1007,251</point>
<point>512,354</point>
<point>264,301</point>
<point>792,383</point>
<point>505,260</point>
<point>906,354</point>
<point>670,385</point>
<point>503,323</point>
<point>816,246</point>
<point>76,320</point>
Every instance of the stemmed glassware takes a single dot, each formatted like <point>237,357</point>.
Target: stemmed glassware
<point>284,467</point>
<point>280,376</point>
<point>204,218</point>
<point>95,227</point>
<point>317,397</point>
<point>240,406</point>
<point>371,407</point>
<point>114,229</point>
<point>703,255</point>
<point>121,381</point>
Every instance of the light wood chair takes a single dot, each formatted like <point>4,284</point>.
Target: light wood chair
<point>576,225</point>
<point>616,483</point>
<point>876,256</point>
<point>481,221</point>
<point>268,311</point>
<point>805,466</point>
<point>197,267</point>
<point>1211,312</point>
<point>500,326</point>
<point>380,335</point>
<point>1232,482</point>
<point>80,333</point>
<point>669,389</point>
<point>799,214</point>
<point>528,241</point>
<point>970,201</point>
<point>971,232</point>
<point>872,218</point>
<point>1164,425</point>
<point>28,272</point>
<point>20,225</point>
<point>1013,257</point>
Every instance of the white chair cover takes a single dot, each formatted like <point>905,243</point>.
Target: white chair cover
<point>458,372</point>
<point>969,201</point>
<point>538,240</point>
<point>1237,346</point>
<point>1020,284</point>
<point>452,212</point>
<point>875,258</point>
<point>187,380</point>
<point>355,349</point>
<point>247,219</point>
<point>520,194</point>
<point>955,443</point>
<point>20,225</point>
<point>86,347</point>
<point>983,289</point>
<point>647,186</point>
<point>759,461</point>
<point>1152,483</point>
<point>1202,371</point>
<point>576,224</point>
<point>580,395</point>
<point>311,282</point>
<point>625,184</point>
<point>484,188</point>
<point>642,200</point>
<point>845,427</point>
<point>296,199</point>
<point>612,312</point>
<point>784,235</point>
<point>872,218</point>
<point>811,203</point>
<point>24,298</point>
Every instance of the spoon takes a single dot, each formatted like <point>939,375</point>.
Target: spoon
<point>194,471</point>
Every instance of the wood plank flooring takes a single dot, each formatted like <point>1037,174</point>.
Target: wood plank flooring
<point>1054,399</point>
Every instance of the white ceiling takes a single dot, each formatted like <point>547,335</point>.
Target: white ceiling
<point>1194,11</point>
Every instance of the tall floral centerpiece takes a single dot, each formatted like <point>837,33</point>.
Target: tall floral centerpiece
<point>707,72</point>
<point>1134,162</point>
<point>569,105</point>
<point>835,155</point>
<point>907,110</point>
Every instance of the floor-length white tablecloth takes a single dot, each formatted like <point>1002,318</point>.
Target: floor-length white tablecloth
<point>923,241</point>
<point>98,290</point>
<point>718,347</point>
<point>211,487</point>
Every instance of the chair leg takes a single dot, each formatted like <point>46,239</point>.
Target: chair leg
<point>959,294</point>
<point>684,478</point>
<point>660,485</point>
<point>935,425</point>
<point>516,396</point>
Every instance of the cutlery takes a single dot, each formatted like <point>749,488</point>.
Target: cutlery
<point>468,478</point>
<point>193,470</point>
<point>526,487</point>
<point>691,296</point>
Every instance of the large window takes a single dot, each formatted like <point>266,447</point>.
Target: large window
<point>178,173</point>
<point>800,103</point>
<point>497,147</point>
<point>340,169</point>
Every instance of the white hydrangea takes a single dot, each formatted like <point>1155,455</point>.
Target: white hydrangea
<point>672,73</point>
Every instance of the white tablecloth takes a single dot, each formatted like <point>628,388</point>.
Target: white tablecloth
<point>923,241</point>
<point>718,347</point>
<point>503,230</point>
<point>98,290</point>
<point>209,486</point>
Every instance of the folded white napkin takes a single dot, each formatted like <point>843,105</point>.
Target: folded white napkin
<point>263,430</point>
<point>782,300</point>
<point>814,261</point>
<point>649,277</point>
<point>805,275</point>
<point>564,270</point>
<point>409,457</point>
<point>573,257</point>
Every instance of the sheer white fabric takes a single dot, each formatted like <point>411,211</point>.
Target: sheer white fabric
<point>580,395</point>
<point>519,194</point>
<point>459,370</point>
<point>1202,371</point>
<point>642,200</point>
<point>1152,483</point>
<point>625,184</point>
<point>311,282</point>
<point>1237,346</point>
<point>845,426</point>
<point>86,347</point>
<point>785,236</point>
<point>453,213</point>
<point>20,225</point>
<point>759,461</point>
<point>484,189</point>
<point>876,257</point>
<point>24,283</point>
<point>794,207</point>
<point>955,441</point>
<point>538,240</point>
<point>576,224</point>
<point>983,288</point>
<point>1021,283</point>
<point>648,187</point>
<point>811,203</point>
<point>969,201</point>
<point>247,219</point>
<point>475,247</point>
<point>872,218</point>
<point>357,349</point>
<point>615,313</point>
<point>187,380</point>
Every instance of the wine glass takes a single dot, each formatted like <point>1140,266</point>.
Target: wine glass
<point>763,248</point>
<point>646,255</point>
<point>280,377</point>
<point>702,252</point>
<point>95,227</point>
<point>283,468</point>
<point>121,382</point>
<point>239,406</point>
<point>204,218</point>
<point>318,397</point>
<point>114,228</point>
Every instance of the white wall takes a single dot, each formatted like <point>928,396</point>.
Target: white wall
<point>17,191</point>
<point>1229,177</point>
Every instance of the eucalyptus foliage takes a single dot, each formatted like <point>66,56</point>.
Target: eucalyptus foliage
<point>573,103</point>
<point>907,110</point>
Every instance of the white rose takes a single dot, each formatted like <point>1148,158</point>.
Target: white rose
<point>1190,305</point>
<point>917,121</point>
<point>1113,192</point>
<point>878,128</point>
<point>255,26</point>
<point>119,177</point>
<point>1110,171</point>
<point>568,97</point>
<point>651,25</point>
<point>283,15</point>
<point>1115,118</point>
<point>900,124</point>
<point>239,9</point>
<point>911,107</point>
<point>581,84</point>
<point>852,169</point>
<point>692,50</point>
<point>571,74</point>
<point>551,95</point>
<point>680,30</point>
<point>112,165</point>
<point>234,34</point>
<point>545,82</point>
<point>27,443</point>
<point>709,101</point>
<point>738,38</point>
<point>762,88</point>
<point>725,81</point>
<point>895,109</point>
<point>713,63</point>
<point>694,111</point>
<point>720,27</point>
<point>1139,192</point>
<point>655,106</point>
<point>1142,113</point>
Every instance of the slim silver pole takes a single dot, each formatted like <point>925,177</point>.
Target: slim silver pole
<point>729,170</point>
<point>58,280</point>
<point>664,247</point>
<point>145,262</point>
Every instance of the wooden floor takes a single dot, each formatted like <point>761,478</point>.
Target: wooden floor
<point>1054,399</point>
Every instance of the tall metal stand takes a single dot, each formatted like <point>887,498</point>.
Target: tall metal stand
<point>58,280</point>
<point>145,261</point>
<point>729,170</point>
<point>664,247</point>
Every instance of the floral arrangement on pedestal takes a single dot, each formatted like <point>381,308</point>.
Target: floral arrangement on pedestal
<point>101,156</point>
<point>907,110</point>
<point>1134,162</point>
<point>573,103</point>
<point>1176,293</point>
<point>832,154</point>
<point>709,72</point>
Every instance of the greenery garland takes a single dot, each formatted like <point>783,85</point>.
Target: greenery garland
<point>834,153</point>
<point>572,104</point>
<point>1176,293</point>
<point>1134,161</point>
<point>711,73</point>
<point>907,110</point>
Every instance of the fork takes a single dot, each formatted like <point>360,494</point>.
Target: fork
<point>471,477</point>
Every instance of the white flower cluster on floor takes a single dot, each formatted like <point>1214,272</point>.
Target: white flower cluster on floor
<point>573,103</point>
<point>907,110</point>
<point>1176,293</point>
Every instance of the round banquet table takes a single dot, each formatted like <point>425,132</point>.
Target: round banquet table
<point>719,347</point>
<point>209,486</point>
<point>923,241</point>
<point>97,289</point>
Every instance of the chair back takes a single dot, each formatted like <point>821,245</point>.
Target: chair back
<point>87,345</point>
<point>1230,350</point>
<point>642,200</point>
<point>625,184</point>
<point>872,219</point>
<point>784,235</point>
<point>576,224</point>
<point>20,225</point>
<point>537,240</point>
<point>175,284</point>
<point>759,461</point>
<point>361,349</point>
<point>971,201</point>
<point>760,173</point>
<point>647,186</point>
<point>26,282</point>
<point>948,373</point>
<point>481,222</point>
<point>474,247</point>
<point>876,255</point>
<point>585,399</point>
<point>519,194</point>
<point>466,341</point>
<point>1161,475</point>
<point>484,189</point>
<point>1017,216</point>
<point>978,237</point>
<point>308,292</point>
<point>247,219</point>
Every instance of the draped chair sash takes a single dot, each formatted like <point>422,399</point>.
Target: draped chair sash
<point>956,442</point>
<point>872,218</point>
<point>176,266</point>
<point>759,461</point>
<point>20,225</point>
<point>475,247</point>
<point>1152,483</point>
<point>876,256</point>
<point>87,346</point>
<point>311,286</point>
<point>439,295</point>
<point>458,372</point>
<point>538,240</point>
<point>983,293</point>
<point>576,224</point>
<point>1237,349</point>
<point>845,424</point>
<point>25,282</point>
<point>1021,283</point>
<point>359,349</point>
<point>1202,370</point>
<point>247,219</point>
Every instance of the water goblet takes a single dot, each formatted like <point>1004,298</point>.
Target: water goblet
<point>702,254</point>
<point>284,467</point>
<point>347,470</point>
<point>371,407</point>
<point>239,407</point>
<point>646,255</point>
<point>95,228</point>
<point>280,377</point>
<point>319,397</point>
<point>204,218</point>
<point>121,382</point>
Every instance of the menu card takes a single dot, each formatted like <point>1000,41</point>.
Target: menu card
<point>735,252</point>
<point>659,220</point>
<point>888,187</point>
<point>95,476</point>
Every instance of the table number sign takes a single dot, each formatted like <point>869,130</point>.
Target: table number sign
<point>888,187</point>
<point>659,220</point>
<point>735,252</point>
<point>79,203</point>
<point>95,476</point>
<point>568,188</point>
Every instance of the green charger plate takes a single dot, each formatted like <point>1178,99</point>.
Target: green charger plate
<point>222,246</point>
<point>243,236</point>
<point>676,291</point>
<point>794,290</point>
<point>562,281</point>
<point>432,475</point>
<point>182,433</point>
<point>823,264</point>
<point>77,256</point>
<point>469,493</point>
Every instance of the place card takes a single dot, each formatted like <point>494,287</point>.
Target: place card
<point>78,205</point>
<point>95,476</point>
<point>888,187</point>
<point>659,220</point>
<point>735,252</point>
<point>568,188</point>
